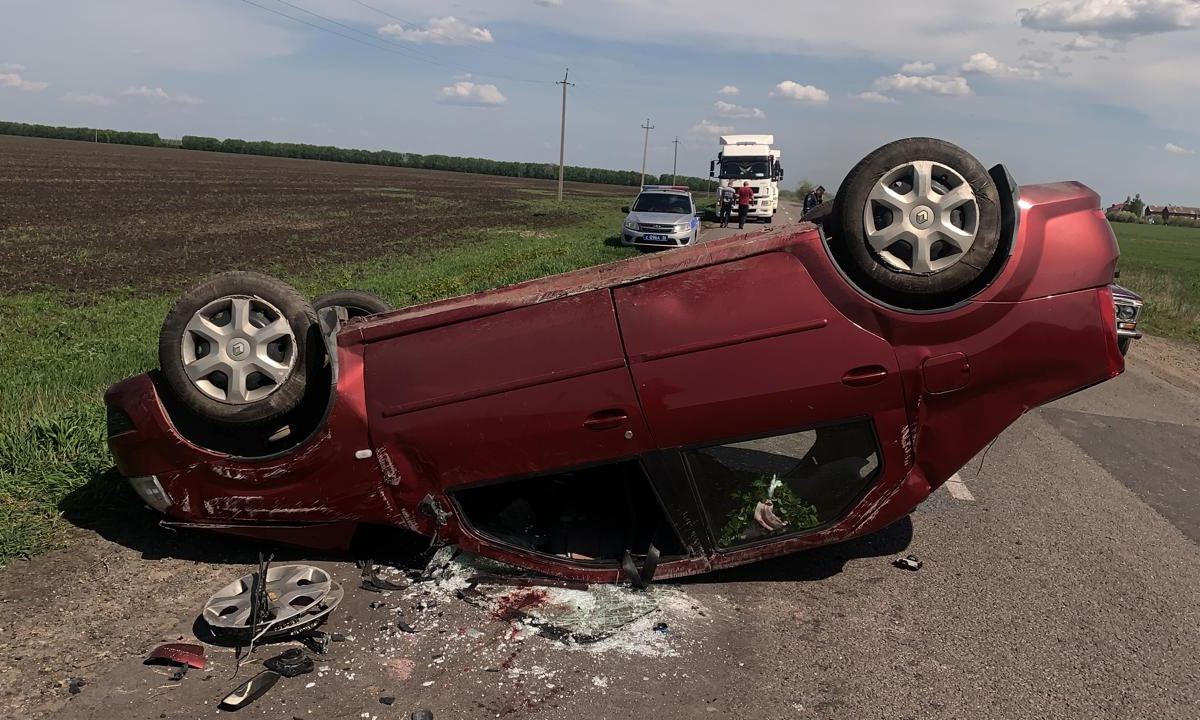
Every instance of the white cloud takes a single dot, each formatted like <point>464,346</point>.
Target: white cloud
<point>1178,149</point>
<point>1112,18</point>
<point>1032,66</point>
<point>11,67</point>
<point>548,3</point>
<point>439,31</point>
<point>729,110</point>
<point>933,84</point>
<point>14,80</point>
<point>729,91</point>
<point>983,63</point>
<point>86,99</point>
<point>796,92</point>
<point>919,68</point>
<point>872,96</point>
<point>704,127</point>
<point>471,94</point>
<point>157,94</point>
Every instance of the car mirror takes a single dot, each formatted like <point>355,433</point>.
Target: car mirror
<point>625,209</point>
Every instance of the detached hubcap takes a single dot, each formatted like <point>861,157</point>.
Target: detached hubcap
<point>238,349</point>
<point>921,217</point>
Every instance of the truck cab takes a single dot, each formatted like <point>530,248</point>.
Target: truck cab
<point>751,158</point>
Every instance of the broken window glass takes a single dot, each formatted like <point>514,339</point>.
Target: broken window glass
<point>592,514</point>
<point>784,484</point>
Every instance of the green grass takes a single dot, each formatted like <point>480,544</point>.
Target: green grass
<point>1162,264</point>
<point>59,351</point>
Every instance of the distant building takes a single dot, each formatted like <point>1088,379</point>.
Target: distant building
<point>1163,213</point>
<point>1117,207</point>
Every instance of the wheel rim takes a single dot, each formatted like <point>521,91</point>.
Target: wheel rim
<point>921,217</point>
<point>238,349</point>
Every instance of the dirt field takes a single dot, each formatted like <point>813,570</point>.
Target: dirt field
<point>84,216</point>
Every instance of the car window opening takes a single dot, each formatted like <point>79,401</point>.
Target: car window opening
<point>785,484</point>
<point>663,203</point>
<point>595,514</point>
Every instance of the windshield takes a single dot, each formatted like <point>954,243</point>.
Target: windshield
<point>745,169</point>
<point>663,203</point>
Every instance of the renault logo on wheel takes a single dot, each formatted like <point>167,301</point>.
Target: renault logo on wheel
<point>922,217</point>
<point>238,349</point>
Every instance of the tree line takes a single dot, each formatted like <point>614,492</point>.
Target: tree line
<point>451,163</point>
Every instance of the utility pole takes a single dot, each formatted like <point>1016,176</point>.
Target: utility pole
<point>645,147</point>
<point>562,132</point>
<point>675,163</point>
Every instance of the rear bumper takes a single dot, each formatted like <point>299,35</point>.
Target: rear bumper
<point>330,477</point>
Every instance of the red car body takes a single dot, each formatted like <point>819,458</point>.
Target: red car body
<point>639,361</point>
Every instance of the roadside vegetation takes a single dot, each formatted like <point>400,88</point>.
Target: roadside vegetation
<point>1162,264</point>
<point>62,348</point>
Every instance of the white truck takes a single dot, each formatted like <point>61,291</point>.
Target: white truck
<point>750,158</point>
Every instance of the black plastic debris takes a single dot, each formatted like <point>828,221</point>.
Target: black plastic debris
<point>422,715</point>
<point>290,663</point>
<point>400,623</point>
<point>179,673</point>
<point>317,641</point>
<point>661,628</point>
<point>387,699</point>
<point>908,563</point>
<point>371,580</point>
<point>376,604</point>
<point>249,691</point>
<point>75,685</point>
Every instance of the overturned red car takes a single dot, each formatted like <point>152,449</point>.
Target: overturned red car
<point>664,415</point>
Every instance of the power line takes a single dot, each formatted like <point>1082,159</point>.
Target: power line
<point>388,47</point>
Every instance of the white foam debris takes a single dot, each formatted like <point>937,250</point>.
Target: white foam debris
<point>600,682</point>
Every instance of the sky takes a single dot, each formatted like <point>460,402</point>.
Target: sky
<point>1102,91</point>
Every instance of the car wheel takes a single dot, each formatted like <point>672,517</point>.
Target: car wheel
<point>1123,344</point>
<point>358,303</point>
<point>915,223</point>
<point>234,349</point>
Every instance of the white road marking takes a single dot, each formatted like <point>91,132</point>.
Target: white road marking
<point>958,489</point>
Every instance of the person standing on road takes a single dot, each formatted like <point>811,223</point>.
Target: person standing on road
<point>744,195</point>
<point>814,198</point>
<point>725,198</point>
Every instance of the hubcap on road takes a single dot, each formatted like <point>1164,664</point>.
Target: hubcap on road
<point>238,349</point>
<point>921,217</point>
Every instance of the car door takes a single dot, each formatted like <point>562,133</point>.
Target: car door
<point>785,415</point>
<point>523,421</point>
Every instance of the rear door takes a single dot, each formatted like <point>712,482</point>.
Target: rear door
<point>784,414</point>
<point>516,393</point>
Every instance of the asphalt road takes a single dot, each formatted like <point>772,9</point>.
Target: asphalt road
<point>789,214</point>
<point>1060,580</point>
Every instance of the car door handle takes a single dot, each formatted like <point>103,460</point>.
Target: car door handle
<point>605,419</point>
<point>866,375</point>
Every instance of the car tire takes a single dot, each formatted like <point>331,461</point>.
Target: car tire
<point>237,347</point>
<point>916,224</point>
<point>358,303</point>
<point>1123,344</point>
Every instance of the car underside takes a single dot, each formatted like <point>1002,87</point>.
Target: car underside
<point>656,417</point>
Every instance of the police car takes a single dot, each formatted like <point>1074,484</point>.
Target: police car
<point>662,216</point>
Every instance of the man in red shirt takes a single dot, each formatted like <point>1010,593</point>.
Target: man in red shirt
<point>744,195</point>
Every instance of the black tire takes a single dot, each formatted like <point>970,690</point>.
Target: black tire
<point>1123,344</point>
<point>358,303</point>
<point>872,271</point>
<point>286,394</point>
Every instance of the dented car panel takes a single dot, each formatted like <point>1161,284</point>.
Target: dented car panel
<point>721,404</point>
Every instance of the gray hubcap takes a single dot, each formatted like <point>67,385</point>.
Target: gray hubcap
<point>921,217</point>
<point>238,349</point>
<point>290,589</point>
